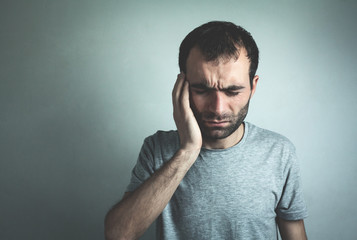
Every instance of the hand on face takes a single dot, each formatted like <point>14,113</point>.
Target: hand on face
<point>187,126</point>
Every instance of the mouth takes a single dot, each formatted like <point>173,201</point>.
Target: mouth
<point>216,123</point>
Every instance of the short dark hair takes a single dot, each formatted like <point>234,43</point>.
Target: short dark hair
<point>218,39</point>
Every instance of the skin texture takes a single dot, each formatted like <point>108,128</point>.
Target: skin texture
<point>217,93</point>
<point>220,92</point>
<point>292,230</point>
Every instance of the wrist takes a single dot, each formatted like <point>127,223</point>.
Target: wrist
<point>189,154</point>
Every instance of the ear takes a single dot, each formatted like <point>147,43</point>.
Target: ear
<point>254,84</point>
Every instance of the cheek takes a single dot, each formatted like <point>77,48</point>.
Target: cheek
<point>234,104</point>
<point>197,102</point>
<point>238,103</point>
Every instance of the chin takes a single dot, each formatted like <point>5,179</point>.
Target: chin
<point>217,134</point>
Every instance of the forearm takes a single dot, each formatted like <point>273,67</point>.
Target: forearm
<point>133,215</point>
<point>292,230</point>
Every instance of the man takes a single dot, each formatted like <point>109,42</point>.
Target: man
<point>216,177</point>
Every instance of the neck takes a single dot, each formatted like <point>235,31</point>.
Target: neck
<point>227,142</point>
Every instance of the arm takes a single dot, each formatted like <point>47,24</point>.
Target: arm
<point>292,230</point>
<point>137,210</point>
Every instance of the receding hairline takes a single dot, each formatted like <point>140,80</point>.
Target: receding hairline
<point>222,58</point>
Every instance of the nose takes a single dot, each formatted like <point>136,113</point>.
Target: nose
<point>216,102</point>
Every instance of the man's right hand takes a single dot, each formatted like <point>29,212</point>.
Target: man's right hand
<point>130,218</point>
<point>186,123</point>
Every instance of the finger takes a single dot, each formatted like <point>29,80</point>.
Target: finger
<point>174,90</point>
<point>176,83</point>
<point>177,91</point>
<point>185,95</point>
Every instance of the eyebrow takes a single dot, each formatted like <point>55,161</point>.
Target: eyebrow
<point>205,87</point>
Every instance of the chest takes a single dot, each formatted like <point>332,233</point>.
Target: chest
<point>235,187</point>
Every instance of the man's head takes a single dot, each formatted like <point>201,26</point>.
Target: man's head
<point>219,60</point>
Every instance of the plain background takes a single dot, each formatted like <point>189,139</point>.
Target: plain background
<point>82,83</point>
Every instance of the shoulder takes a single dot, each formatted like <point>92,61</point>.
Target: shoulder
<point>267,138</point>
<point>163,143</point>
<point>273,146</point>
<point>161,137</point>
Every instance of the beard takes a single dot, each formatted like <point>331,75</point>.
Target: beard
<point>215,133</point>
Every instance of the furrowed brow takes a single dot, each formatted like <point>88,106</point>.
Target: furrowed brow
<point>200,86</point>
<point>205,87</point>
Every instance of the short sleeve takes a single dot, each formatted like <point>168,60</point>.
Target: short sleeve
<point>292,205</point>
<point>144,166</point>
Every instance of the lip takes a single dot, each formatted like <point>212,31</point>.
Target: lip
<point>216,123</point>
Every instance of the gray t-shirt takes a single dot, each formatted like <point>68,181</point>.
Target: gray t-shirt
<point>233,193</point>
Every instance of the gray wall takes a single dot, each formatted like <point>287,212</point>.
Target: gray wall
<point>83,82</point>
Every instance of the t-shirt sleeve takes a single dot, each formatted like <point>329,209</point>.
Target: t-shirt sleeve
<point>292,205</point>
<point>144,166</point>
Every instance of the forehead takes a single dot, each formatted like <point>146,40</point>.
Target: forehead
<point>218,73</point>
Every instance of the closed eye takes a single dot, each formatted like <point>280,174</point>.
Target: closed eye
<point>231,93</point>
<point>200,89</point>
